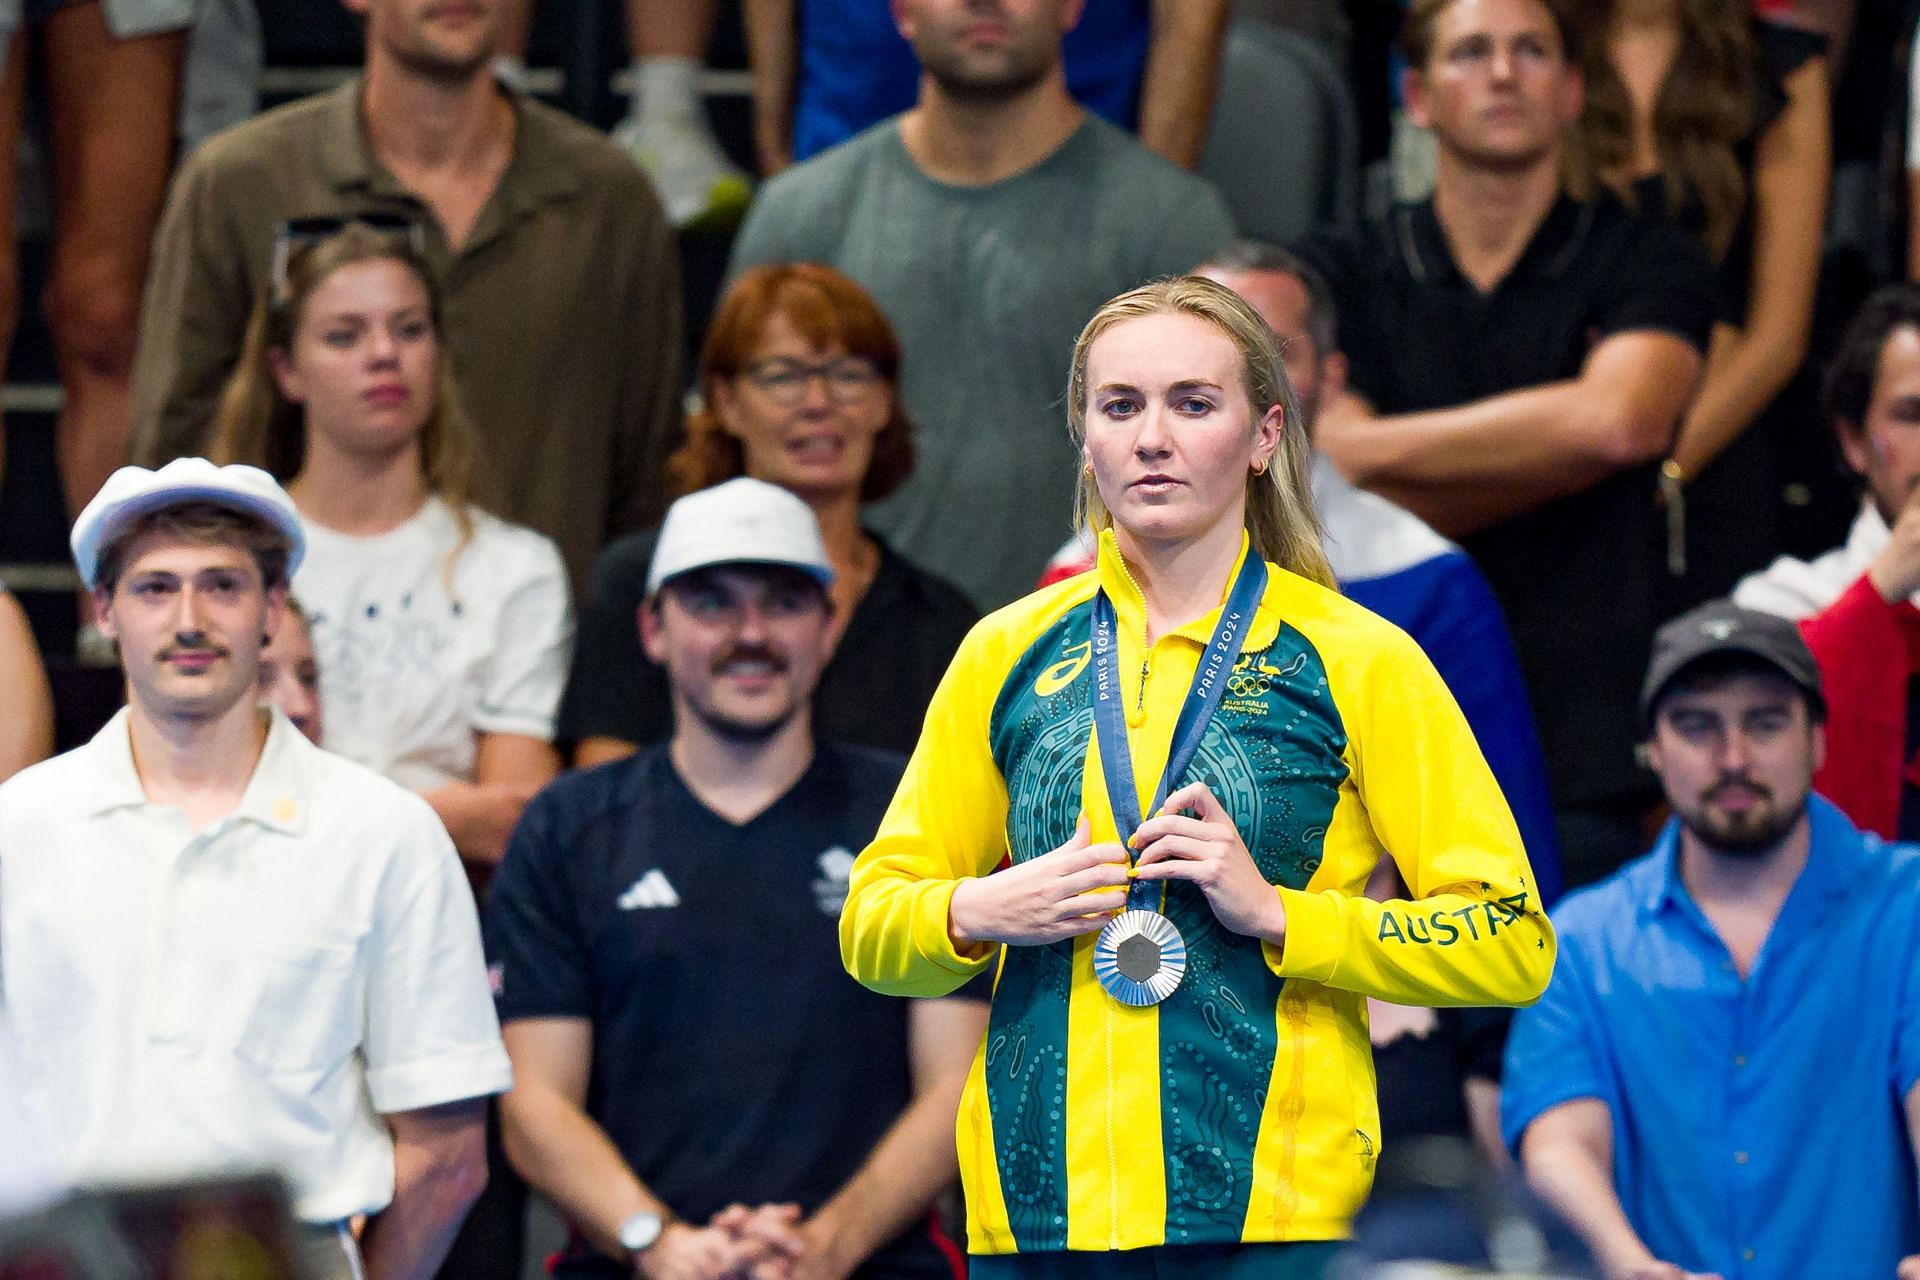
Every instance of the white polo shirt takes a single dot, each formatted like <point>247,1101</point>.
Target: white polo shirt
<point>255,995</point>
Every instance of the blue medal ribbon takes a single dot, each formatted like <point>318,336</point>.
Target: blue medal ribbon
<point>1203,698</point>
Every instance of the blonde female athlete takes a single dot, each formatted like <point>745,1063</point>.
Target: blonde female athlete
<point>1176,1079</point>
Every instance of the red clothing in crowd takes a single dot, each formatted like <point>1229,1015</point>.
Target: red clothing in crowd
<point>1868,650</point>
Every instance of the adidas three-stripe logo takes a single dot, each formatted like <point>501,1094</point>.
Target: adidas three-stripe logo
<point>650,890</point>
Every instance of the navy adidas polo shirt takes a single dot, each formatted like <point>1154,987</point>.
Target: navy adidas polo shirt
<point>733,1058</point>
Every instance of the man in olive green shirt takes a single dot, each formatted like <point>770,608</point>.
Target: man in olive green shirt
<point>559,269</point>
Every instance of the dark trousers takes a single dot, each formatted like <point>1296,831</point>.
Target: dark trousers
<point>1306,1260</point>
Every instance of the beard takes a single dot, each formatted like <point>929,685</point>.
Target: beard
<point>1752,834</point>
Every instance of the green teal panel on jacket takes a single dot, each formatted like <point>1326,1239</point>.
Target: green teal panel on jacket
<point>1272,756</point>
<point>1041,721</point>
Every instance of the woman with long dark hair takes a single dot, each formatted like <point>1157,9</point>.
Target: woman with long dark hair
<point>1698,113</point>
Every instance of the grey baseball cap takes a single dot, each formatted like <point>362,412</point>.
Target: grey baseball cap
<point>1723,627</point>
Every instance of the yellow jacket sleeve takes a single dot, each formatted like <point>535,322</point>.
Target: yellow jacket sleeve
<point>947,822</point>
<point>1474,932</point>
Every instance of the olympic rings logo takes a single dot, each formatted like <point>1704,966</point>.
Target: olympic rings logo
<point>1249,684</point>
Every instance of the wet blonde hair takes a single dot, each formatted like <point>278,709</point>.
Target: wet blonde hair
<point>1280,519</point>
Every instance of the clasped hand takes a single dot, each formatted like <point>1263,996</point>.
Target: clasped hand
<point>1081,885</point>
<point>766,1243</point>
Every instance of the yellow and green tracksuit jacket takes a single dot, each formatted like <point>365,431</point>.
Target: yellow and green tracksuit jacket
<point>1243,1107</point>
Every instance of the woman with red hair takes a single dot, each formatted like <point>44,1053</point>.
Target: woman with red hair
<point>799,386</point>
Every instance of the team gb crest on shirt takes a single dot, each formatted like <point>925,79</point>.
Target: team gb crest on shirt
<point>830,889</point>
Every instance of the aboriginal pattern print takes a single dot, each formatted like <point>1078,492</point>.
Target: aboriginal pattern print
<point>1039,730</point>
<point>1273,754</point>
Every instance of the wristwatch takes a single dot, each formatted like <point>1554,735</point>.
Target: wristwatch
<point>639,1232</point>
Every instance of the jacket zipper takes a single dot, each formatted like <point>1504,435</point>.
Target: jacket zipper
<point>1146,636</point>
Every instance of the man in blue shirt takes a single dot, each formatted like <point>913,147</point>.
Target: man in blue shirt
<point>1720,1079</point>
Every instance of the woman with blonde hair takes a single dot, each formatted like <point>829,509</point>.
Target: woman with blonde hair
<point>1191,759</point>
<point>443,631</point>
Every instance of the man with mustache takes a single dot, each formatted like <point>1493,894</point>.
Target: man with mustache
<point>221,948</point>
<point>1764,954</point>
<point>665,937</point>
<point>1855,604</point>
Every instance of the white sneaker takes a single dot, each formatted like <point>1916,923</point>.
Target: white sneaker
<point>702,189</point>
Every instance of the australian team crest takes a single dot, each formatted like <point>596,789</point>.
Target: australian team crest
<point>1251,683</point>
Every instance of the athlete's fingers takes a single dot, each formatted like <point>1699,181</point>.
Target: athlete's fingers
<point>1104,875</point>
<point>1174,869</point>
<point>1170,824</point>
<point>1092,908</point>
<point>1107,851</point>
<point>1191,848</point>
<point>1082,834</point>
<point>1079,852</point>
<point>1197,797</point>
<point>1100,898</point>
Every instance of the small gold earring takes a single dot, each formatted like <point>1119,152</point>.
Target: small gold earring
<point>1260,467</point>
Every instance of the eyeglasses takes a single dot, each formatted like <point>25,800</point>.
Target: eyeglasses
<point>849,379</point>
<point>304,233</point>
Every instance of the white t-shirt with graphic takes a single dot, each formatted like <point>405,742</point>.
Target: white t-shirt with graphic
<point>411,672</point>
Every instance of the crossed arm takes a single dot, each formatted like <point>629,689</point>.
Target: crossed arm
<point>1473,465</point>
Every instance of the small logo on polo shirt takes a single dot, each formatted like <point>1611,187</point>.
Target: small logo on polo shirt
<point>650,890</point>
<point>830,890</point>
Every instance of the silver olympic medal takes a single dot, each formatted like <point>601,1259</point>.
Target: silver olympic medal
<point>1139,957</point>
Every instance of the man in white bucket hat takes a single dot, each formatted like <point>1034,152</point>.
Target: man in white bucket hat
<point>221,948</point>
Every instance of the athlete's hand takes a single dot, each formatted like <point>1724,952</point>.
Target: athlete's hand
<point>1206,850</point>
<point>1061,894</point>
